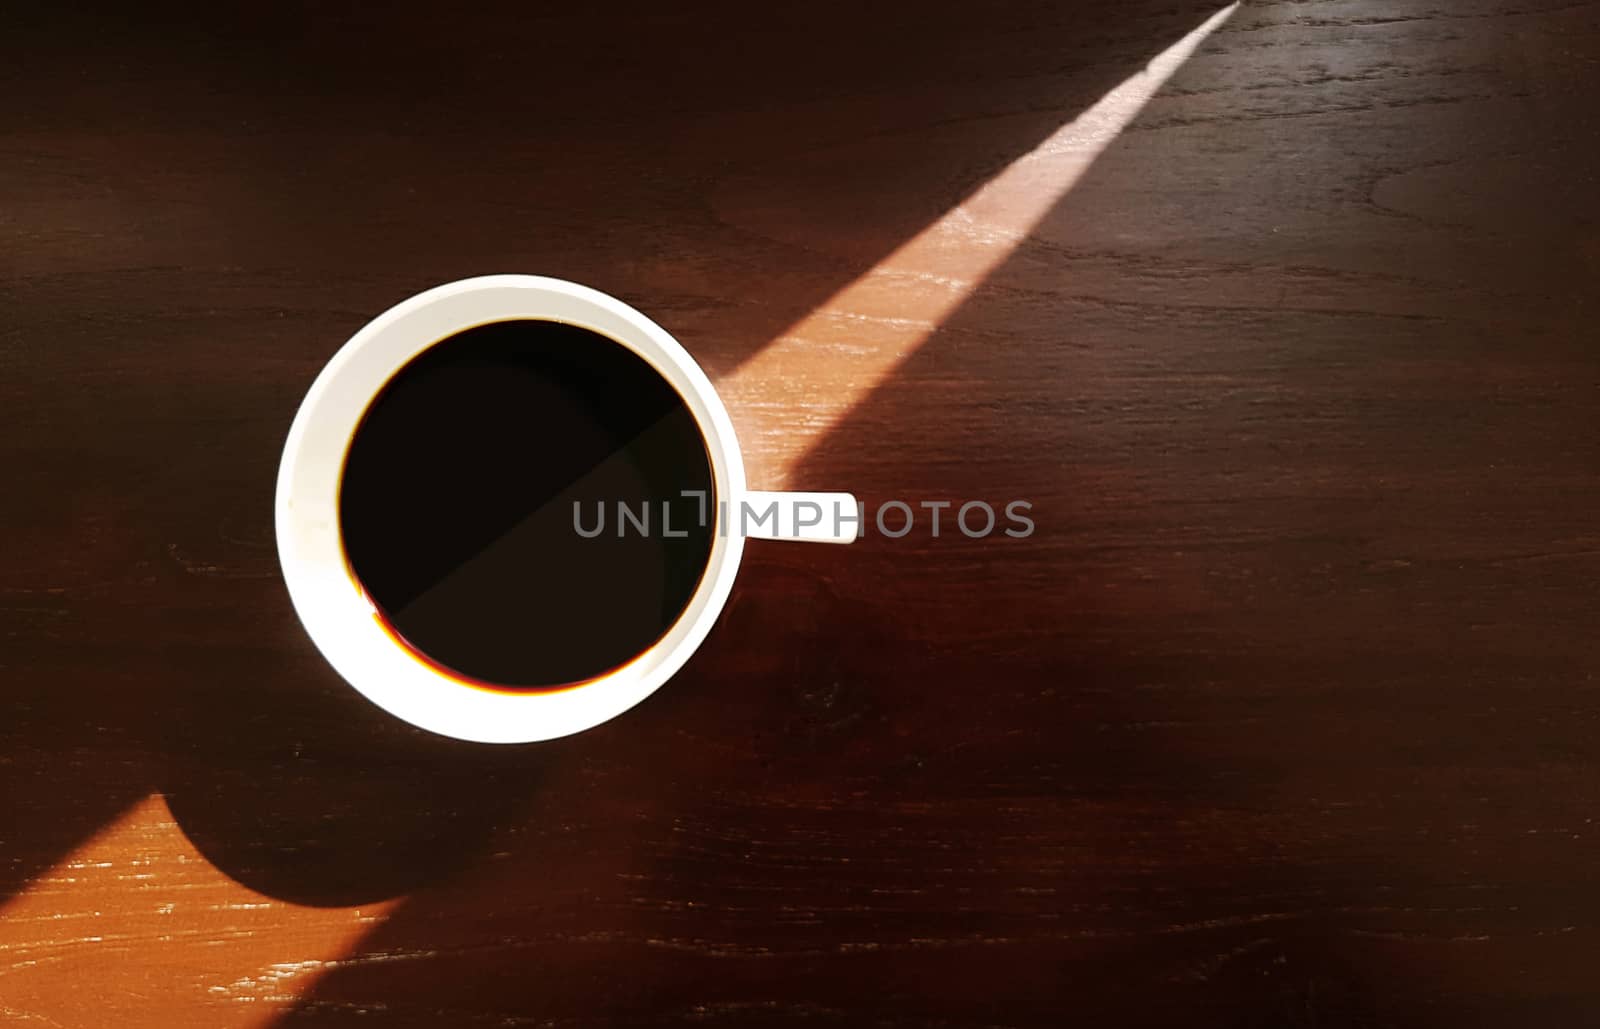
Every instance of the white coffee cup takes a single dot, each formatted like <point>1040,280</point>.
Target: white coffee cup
<point>344,624</point>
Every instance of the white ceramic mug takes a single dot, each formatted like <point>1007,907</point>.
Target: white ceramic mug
<point>344,624</point>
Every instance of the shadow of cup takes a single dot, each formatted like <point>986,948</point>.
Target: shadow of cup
<point>299,788</point>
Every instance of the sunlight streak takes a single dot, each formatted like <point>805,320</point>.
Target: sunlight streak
<point>829,361</point>
<point>137,918</point>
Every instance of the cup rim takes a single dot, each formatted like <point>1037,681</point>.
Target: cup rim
<point>330,603</point>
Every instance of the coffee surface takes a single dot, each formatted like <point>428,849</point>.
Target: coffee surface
<point>528,504</point>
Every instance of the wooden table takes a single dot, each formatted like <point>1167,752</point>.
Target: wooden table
<point>1281,316</point>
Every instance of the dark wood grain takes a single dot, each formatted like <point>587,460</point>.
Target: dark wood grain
<point>1285,716</point>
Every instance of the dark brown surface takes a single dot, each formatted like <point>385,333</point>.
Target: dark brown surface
<point>1284,717</point>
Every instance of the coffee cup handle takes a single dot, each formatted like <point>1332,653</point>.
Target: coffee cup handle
<point>811,517</point>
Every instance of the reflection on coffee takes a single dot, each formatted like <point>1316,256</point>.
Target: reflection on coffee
<point>456,504</point>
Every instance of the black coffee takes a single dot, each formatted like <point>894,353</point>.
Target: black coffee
<point>474,487</point>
